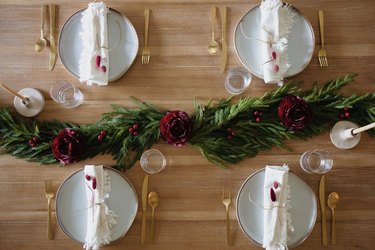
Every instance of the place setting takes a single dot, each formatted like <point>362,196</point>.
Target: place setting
<point>98,44</point>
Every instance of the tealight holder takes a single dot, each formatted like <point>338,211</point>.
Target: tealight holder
<point>32,106</point>
<point>342,135</point>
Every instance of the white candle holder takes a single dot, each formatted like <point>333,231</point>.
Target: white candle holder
<point>342,135</point>
<point>35,103</point>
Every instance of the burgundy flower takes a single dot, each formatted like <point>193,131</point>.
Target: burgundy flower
<point>176,127</point>
<point>294,112</point>
<point>68,146</point>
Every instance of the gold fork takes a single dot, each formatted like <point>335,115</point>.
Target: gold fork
<point>322,55</point>
<point>146,50</point>
<point>226,201</point>
<point>49,195</point>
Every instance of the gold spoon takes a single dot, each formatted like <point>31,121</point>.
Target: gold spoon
<point>153,201</point>
<point>333,200</point>
<point>213,46</point>
<point>41,43</point>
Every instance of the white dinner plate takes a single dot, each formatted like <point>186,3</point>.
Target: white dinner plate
<point>303,211</point>
<point>71,205</point>
<point>300,46</point>
<point>122,54</point>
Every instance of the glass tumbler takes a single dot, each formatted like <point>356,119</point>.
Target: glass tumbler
<point>237,80</point>
<point>65,93</point>
<point>153,161</point>
<point>316,161</point>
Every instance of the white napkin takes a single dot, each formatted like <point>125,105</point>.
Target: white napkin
<point>94,60</point>
<point>276,24</point>
<point>277,220</point>
<point>100,218</point>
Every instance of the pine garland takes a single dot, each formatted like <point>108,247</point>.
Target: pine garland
<point>210,132</point>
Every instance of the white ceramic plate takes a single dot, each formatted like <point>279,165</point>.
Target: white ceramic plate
<point>121,56</point>
<point>71,205</point>
<point>300,47</point>
<point>303,211</point>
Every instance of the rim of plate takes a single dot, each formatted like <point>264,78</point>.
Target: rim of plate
<point>241,226</point>
<point>126,20</point>
<point>76,172</point>
<point>253,71</point>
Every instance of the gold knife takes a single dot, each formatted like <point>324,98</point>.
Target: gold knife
<point>223,15</point>
<point>53,50</point>
<point>144,205</point>
<point>323,209</point>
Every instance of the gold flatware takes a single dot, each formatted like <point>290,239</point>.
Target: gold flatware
<point>223,14</point>
<point>24,99</point>
<point>49,195</point>
<point>226,199</point>
<point>153,201</point>
<point>41,43</point>
<point>333,200</point>
<point>322,54</point>
<point>322,200</point>
<point>213,46</point>
<point>144,208</point>
<point>146,50</point>
<point>53,50</point>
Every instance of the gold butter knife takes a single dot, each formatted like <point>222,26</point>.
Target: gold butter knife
<point>323,209</point>
<point>53,50</point>
<point>144,206</point>
<point>223,14</point>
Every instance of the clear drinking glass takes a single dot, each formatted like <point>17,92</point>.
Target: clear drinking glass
<point>153,161</point>
<point>65,93</point>
<point>237,80</point>
<point>316,161</point>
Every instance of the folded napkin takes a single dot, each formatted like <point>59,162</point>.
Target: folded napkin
<point>277,220</point>
<point>100,218</point>
<point>276,24</point>
<point>94,60</point>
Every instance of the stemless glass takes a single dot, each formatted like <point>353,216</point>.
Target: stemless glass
<point>316,161</point>
<point>65,93</point>
<point>237,80</point>
<point>153,161</point>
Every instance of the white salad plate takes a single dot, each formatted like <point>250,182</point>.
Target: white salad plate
<point>300,50</point>
<point>303,208</point>
<point>122,43</point>
<point>72,207</point>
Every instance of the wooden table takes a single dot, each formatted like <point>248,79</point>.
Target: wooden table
<point>190,215</point>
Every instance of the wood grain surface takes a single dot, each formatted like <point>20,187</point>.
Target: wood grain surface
<point>190,215</point>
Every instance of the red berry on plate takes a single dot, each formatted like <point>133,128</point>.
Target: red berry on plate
<point>273,55</point>
<point>276,68</point>
<point>98,59</point>
<point>273,195</point>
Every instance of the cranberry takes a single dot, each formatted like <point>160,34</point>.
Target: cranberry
<point>135,126</point>
<point>347,114</point>
<point>257,120</point>
<point>135,133</point>
<point>230,137</point>
<point>275,184</point>
<point>88,177</point>
<point>103,68</point>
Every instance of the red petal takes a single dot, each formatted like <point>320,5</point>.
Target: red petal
<point>273,195</point>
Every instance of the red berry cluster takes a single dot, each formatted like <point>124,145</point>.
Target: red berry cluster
<point>272,192</point>
<point>98,63</point>
<point>344,114</point>
<point>88,178</point>
<point>231,133</point>
<point>134,129</point>
<point>102,135</point>
<point>33,141</point>
<point>257,114</point>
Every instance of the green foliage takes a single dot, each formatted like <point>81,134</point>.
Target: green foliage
<point>210,132</point>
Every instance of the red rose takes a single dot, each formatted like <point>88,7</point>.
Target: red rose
<point>176,127</point>
<point>68,146</point>
<point>294,112</point>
